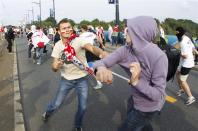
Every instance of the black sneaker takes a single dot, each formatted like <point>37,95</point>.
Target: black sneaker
<point>78,129</point>
<point>45,116</point>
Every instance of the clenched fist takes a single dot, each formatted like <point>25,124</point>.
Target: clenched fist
<point>104,75</point>
<point>135,70</point>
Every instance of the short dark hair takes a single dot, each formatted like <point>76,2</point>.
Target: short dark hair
<point>84,27</point>
<point>61,22</point>
<point>56,28</point>
<point>38,27</point>
<point>180,29</point>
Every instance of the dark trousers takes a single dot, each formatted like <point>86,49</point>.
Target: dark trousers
<point>137,120</point>
<point>44,49</point>
<point>114,40</point>
<point>9,47</point>
<point>29,50</point>
<point>196,58</point>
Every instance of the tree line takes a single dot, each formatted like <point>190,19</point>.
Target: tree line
<point>169,24</point>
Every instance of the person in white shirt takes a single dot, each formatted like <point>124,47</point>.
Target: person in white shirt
<point>39,41</point>
<point>51,33</point>
<point>72,77</point>
<point>186,64</point>
<point>91,38</point>
<point>162,34</point>
<point>110,31</point>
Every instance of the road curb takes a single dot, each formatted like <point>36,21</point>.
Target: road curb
<point>18,111</point>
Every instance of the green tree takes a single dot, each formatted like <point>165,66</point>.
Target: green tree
<point>50,21</point>
<point>85,22</point>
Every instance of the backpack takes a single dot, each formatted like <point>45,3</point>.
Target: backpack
<point>173,56</point>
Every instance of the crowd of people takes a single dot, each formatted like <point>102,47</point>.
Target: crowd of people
<point>140,57</point>
<point>137,57</point>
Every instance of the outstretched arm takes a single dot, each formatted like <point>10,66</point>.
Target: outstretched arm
<point>103,74</point>
<point>95,50</point>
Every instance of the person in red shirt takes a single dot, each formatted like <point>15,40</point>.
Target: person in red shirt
<point>115,35</point>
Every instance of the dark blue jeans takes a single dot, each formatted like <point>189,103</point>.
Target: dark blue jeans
<point>81,87</point>
<point>30,46</point>
<point>137,120</point>
<point>114,40</point>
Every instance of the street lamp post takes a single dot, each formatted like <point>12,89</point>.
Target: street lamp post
<point>26,19</point>
<point>54,9</point>
<point>39,3</point>
<point>32,14</point>
<point>116,2</point>
<point>117,13</point>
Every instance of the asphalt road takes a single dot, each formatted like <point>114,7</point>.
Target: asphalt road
<point>106,107</point>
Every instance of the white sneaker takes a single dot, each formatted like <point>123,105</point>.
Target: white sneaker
<point>190,100</point>
<point>98,85</point>
<point>180,92</point>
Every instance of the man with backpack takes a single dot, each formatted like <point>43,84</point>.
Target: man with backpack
<point>173,56</point>
<point>186,63</point>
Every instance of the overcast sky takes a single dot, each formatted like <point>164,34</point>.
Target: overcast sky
<point>13,11</point>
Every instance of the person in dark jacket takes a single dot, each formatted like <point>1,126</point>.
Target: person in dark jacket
<point>30,45</point>
<point>57,36</point>
<point>10,39</point>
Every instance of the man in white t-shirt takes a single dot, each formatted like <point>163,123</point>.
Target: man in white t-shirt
<point>39,41</point>
<point>71,75</point>
<point>51,33</point>
<point>110,31</point>
<point>186,64</point>
<point>91,38</point>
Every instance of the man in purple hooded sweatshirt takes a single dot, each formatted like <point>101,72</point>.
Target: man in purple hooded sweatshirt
<point>147,65</point>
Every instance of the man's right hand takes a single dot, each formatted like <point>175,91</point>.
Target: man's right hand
<point>104,75</point>
<point>57,64</point>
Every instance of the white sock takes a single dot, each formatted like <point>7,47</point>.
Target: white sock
<point>191,97</point>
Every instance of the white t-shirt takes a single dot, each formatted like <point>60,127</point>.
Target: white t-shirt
<point>110,30</point>
<point>39,36</point>
<point>70,71</point>
<point>51,31</point>
<point>89,37</point>
<point>187,49</point>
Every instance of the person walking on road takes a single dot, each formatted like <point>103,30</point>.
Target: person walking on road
<point>110,31</point>
<point>142,60</point>
<point>56,37</point>
<point>186,64</point>
<point>91,38</point>
<point>71,75</point>
<point>51,33</point>
<point>115,35</point>
<point>39,41</point>
<point>29,38</point>
<point>10,38</point>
